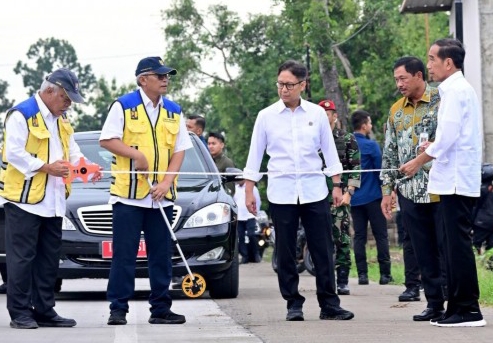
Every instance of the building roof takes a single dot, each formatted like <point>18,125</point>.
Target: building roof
<point>425,6</point>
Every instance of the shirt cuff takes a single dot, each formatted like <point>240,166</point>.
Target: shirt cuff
<point>333,170</point>
<point>34,167</point>
<point>251,175</point>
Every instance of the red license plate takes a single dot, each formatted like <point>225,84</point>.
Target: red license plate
<point>107,249</point>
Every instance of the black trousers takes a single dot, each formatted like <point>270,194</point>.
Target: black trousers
<point>361,214</point>
<point>462,277</point>
<point>33,245</point>
<point>411,268</point>
<point>316,220</point>
<point>422,222</point>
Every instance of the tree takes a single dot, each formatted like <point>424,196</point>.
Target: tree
<point>363,38</point>
<point>5,103</point>
<point>248,55</point>
<point>101,98</point>
<point>47,55</point>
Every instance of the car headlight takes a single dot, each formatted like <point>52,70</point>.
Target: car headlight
<point>68,225</point>
<point>214,214</point>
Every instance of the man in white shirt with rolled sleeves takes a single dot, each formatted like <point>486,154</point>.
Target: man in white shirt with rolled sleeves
<point>456,177</point>
<point>292,131</point>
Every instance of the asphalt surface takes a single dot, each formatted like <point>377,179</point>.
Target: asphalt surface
<point>257,315</point>
<point>379,316</point>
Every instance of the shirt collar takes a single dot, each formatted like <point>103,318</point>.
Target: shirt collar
<point>281,106</point>
<point>426,97</point>
<point>447,83</point>
<point>147,101</point>
<point>45,112</point>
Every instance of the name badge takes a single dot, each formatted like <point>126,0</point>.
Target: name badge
<point>423,138</point>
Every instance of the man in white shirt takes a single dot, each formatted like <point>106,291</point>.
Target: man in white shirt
<point>38,144</point>
<point>145,132</point>
<point>292,131</point>
<point>246,225</point>
<point>456,176</point>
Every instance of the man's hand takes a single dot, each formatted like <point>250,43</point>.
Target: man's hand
<point>250,202</point>
<point>387,206</point>
<point>410,168</point>
<point>140,160</point>
<point>337,196</point>
<point>58,168</point>
<point>159,191</point>
<point>346,199</point>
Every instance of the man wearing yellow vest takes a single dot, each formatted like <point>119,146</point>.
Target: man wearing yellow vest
<point>38,142</point>
<point>146,133</point>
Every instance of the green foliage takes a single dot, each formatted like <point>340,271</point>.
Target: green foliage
<point>5,103</point>
<point>49,54</point>
<point>101,98</point>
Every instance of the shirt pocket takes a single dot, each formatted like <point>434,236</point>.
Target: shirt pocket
<point>170,129</point>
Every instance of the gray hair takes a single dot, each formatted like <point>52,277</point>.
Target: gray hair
<point>138,76</point>
<point>47,84</point>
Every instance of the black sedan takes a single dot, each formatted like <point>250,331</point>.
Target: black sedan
<point>204,222</point>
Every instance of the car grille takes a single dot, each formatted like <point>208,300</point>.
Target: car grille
<point>96,261</point>
<point>98,219</point>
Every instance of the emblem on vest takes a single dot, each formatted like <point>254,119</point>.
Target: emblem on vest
<point>35,122</point>
<point>133,114</point>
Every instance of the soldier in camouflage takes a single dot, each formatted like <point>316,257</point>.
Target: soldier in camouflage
<point>349,155</point>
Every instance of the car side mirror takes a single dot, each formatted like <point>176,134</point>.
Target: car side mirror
<point>231,178</point>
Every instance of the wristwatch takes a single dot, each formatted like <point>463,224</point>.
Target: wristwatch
<point>338,184</point>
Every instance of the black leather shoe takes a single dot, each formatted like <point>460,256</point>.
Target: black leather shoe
<point>56,321</point>
<point>428,314</point>
<point>3,288</point>
<point>295,314</point>
<point>167,318</point>
<point>386,279</point>
<point>410,294</point>
<point>23,322</point>
<point>342,289</point>
<point>363,279</point>
<point>335,313</point>
<point>117,317</point>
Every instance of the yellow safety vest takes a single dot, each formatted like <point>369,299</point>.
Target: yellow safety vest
<point>156,143</point>
<point>13,184</point>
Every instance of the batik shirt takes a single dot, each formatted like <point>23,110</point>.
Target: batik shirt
<point>405,124</point>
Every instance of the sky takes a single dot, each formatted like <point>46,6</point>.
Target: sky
<point>110,35</point>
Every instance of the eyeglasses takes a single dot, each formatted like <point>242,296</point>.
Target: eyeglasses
<point>160,77</point>
<point>289,86</point>
<point>65,97</point>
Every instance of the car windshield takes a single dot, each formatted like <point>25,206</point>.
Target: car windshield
<point>192,163</point>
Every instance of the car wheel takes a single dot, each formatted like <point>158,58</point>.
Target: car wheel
<point>226,287</point>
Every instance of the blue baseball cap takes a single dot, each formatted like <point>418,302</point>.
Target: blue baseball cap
<point>66,79</point>
<point>154,65</point>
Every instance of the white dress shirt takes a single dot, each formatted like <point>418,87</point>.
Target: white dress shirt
<point>113,128</point>
<point>54,203</point>
<point>457,150</point>
<point>239,197</point>
<point>292,140</point>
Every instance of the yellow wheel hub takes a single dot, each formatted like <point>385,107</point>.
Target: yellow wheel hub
<point>193,289</point>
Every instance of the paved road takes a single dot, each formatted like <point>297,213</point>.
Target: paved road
<point>257,315</point>
<point>379,317</point>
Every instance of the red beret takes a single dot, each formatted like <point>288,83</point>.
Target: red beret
<point>327,105</point>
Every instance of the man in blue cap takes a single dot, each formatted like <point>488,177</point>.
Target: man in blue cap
<point>146,133</point>
<point>38,141</point>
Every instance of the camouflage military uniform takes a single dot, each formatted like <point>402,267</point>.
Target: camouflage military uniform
<point>349,155</point>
